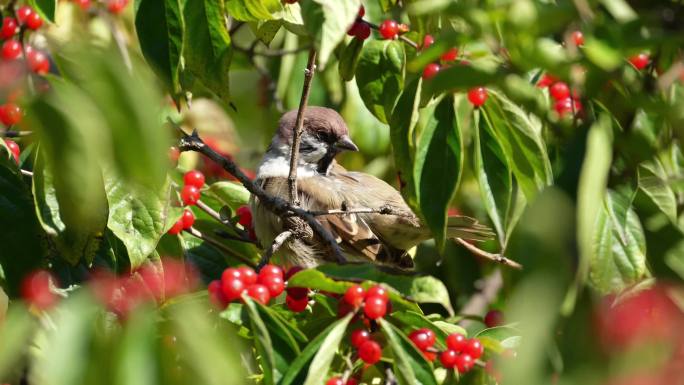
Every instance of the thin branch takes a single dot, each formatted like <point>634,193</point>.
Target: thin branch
<point>196,233</point>
<point>15,134</point>
<point>232,237</point>
<point>490,256</point>
<point>277,243</point>
<point>276,205</point>
<point>271,53</point>
<point>299,127</point>
<point>479,302</point>
<point>241,234</point>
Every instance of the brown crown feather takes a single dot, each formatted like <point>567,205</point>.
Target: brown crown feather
<point>316,119</point>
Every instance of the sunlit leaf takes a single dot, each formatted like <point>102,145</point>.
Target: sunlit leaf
<point>380,76</point>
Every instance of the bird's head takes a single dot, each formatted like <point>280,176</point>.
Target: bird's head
<point>325,134</point>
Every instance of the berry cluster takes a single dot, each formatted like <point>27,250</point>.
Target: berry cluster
<point>432,69</point>
<point>565,101</point>
<point>375,301</point>
<point>193,181</point>
<point>268,283</point>
<point>461,352</point>
<point>297,298</point>
<point>14,149</point>
<point>368,349</point>
<point>360,29</point>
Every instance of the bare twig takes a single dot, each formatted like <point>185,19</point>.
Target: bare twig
<point>298,128</point>
<point>490,256</point>
<point>15,134</point>
<point>196,233</point>
<point>276,205</point>
<point>271,53</point>
<point>479,302</point>
<point>277,243</point>
<point>232,237</point>
<point>389,377</point>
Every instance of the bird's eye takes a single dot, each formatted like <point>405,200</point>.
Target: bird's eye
<point>323,136</point>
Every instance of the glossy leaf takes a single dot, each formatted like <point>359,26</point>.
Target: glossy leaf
<point>314,360</point>
<point>380,76</point>
<point>45,8</point>
<point>440,143</point>
<point>231,194</point>
<point>137,215</point>
<point>252,10</point>
<point>328,22</point>
<point>619,246</point>
<point>410,366</point>
<point>460,77</point>
<point>159,26</point>
<point>76,242</point>
<point>350,59</point>
<point>207,43</point>
<point>652,181</point>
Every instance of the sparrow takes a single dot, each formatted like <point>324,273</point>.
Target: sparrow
<point>323,184</point>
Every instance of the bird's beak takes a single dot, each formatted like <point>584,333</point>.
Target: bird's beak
<point>345,143</point>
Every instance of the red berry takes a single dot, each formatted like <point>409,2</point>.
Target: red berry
<point>244,216</point>
<point>473,348</point>
<point>38,61</point>
<point>354,295</point>
<point>450,55</point>
<point>216,294</point>
<point>362,11</point>
<point>194,178</point>
<point>431,70</point>
<point>448,358</point>
<point>34,21</point>
<point>247,275</point>
<point>230,273</point>
<point>188,219</point>
<point>9,28</point>
<point>274,284</point>
<point>298,292</point>
<point>456,342</point>
<point>259,293</point>
<point>640,61</point>
<point>352,381</point>
<point>359,336</point>
<point>116,6</point>
<point>430,356</point>
<point>270,271</point>
<point>423,338</point>
<point>232,287</point>
<point>35,289</point>
<point>375,307</point>
<point>378,291</point>
<point>14,149</point>
<point>11,50</point>
<point>428,40</point>
<point>578,38</point>
<point>354,29</point>
<point>297,305</point>
<point>23,13</point>
<point>363,31</point>
<point>546,81</point>
<point>84,4</point>
<point>176,228</point>
<point>190,195</point>
<point>566,105</point>
<point>493,318</point>
<point>389,29</point>
<point>370,352</point>
<point>292,271</point>
<point>344,308</point>
<point>464,363</point>
<point>477,96</point>
<point>335,381</point>
<point>10,114</point>
<point>559,90</point>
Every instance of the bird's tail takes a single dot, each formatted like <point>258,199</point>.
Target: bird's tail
<point>460,226</point>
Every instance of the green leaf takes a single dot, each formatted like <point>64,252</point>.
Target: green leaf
<point>207,43</point>
<point>137,215</point>
<point>159,26</point>
<point>350,59</point>
<point>22,238</point>
<point>519,136</point>
<point>252,10</point>
<point>460,76</point>
<point>402,124</point>
<point>136,350</point>
<point>320,365</point>
<point>424,289</point>
<point>591,192</point>
<point>440,143</point>
<point>620,9</point>
<point>274,353</point>
<point>495,178</point>
<point>619,246</point>
<point>317,355</point>
<point>15,333</point>
<point>652,181</point>
<point>231,194</point>
<point>267,30</point>
<point>328,22</point>
<point>602,53</point>
<point>46,8</point>
<point>410,366</point>
<point>79,241</point>
<point>380,76</point>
